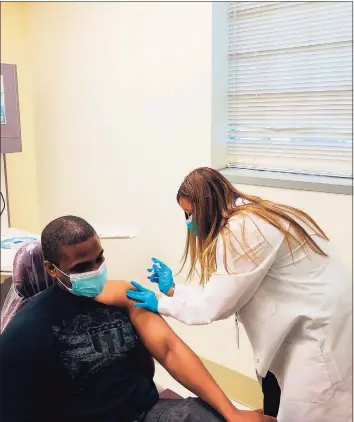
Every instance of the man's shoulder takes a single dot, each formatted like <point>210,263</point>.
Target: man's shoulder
<point>23,339</point>
<point>29,325</point>
<point>27,321</point>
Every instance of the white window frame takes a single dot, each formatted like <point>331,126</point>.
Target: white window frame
<point>219,125</point>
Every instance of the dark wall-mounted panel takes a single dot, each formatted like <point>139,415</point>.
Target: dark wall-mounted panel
<point>10,115</point>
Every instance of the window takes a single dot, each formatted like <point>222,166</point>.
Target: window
<point>290,87</point>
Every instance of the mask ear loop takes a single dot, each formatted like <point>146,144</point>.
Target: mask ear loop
<point>64,285</point>
<point>58,279</point>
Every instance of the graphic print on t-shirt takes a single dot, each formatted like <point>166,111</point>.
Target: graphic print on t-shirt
<point>93,340</point>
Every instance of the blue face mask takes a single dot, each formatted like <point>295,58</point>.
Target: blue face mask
<point>89,284</point>
<point>191,225</point>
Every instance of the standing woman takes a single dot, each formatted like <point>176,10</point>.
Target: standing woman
<point>272,267</point>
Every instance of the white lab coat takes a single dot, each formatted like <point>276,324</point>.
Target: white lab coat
<point>296,310</point>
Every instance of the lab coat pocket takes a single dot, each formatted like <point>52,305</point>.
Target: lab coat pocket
<point>259,309</point>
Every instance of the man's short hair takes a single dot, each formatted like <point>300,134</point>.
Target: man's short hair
<point>64,231</point>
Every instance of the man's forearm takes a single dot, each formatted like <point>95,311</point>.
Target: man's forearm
<point>188,370</point>
<point>173,354</point>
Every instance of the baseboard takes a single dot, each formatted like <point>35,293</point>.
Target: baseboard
<point>237,386</point>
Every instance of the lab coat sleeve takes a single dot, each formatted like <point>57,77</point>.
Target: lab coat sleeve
<point>226,293</point>
<point>182,290</point>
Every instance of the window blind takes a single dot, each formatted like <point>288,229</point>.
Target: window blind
<point>290,87</point>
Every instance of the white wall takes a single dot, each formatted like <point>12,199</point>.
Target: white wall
<point>123,112</point>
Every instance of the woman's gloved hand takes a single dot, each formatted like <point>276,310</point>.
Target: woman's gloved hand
<point>146,298</point>
<point>161,274</point>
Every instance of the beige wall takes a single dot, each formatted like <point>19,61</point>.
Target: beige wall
<point>21,167</point>
<point>122,95</point>
<point>122,100</point>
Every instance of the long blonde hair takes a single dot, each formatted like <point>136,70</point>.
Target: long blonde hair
<point>213,199</point>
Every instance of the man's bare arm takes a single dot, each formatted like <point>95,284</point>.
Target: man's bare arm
<point>175,356</point>
<point>180,361</point>
<point>168,349</point>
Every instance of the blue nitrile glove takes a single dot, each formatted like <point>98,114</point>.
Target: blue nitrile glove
<point>146,298</point>
<point>161,274</point>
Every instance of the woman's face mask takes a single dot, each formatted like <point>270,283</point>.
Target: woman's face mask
<point>191,225</point>
<point>89,284</point>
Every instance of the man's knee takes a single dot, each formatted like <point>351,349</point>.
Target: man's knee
<point>194,410</point>
<point>186,410</point>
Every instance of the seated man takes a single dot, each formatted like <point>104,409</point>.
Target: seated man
<point>65,357</point>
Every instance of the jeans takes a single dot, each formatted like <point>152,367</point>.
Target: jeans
<point>182,410</point>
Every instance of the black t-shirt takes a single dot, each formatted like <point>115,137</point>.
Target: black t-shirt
<point>67,358</point>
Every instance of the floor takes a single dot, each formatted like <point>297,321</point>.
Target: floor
<point>164,379</point>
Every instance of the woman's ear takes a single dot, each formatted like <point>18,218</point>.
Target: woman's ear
<point>50,268</point>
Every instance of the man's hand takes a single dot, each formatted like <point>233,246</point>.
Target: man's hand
<point>249,416</point>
